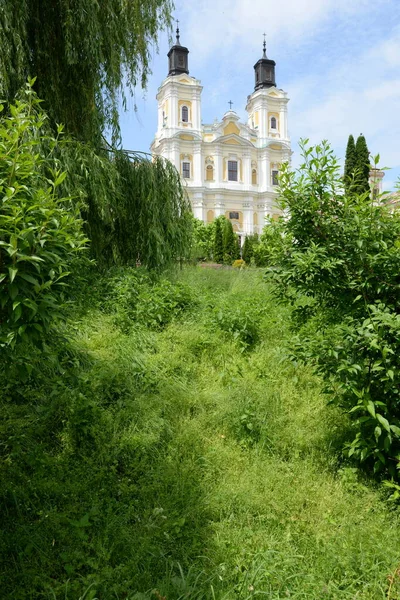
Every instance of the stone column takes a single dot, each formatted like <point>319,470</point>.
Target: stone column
<point>219,205</point>
<point>218,166</point>
<point>248,216</point>
<point>197,166</point>
<point>198,207</point>
<point>246,169</point>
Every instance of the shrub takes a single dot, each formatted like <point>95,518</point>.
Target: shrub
<point>336,259</point>
<point>239,323</point>
<point>135,297</point>
<point>40,231</point>
<point>238,264</point>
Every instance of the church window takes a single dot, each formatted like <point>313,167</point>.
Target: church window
<point>232,170</point>
<point>185,114</point>
<point>254,177</point>
<point>234,215</point>
<point>186,170</point>
<point>275,177</point>
<point>209,173</point>
<point>273,123</point>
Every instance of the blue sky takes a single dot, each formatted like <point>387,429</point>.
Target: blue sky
<point>338,60</point>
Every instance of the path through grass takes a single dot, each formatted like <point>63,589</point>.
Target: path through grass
<point>213,472</point>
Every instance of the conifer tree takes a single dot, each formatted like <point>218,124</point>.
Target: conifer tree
<point>247,251</point>
<point>218,243</point>
<point>231,248</point>
<point>350,163</point>
<point>362,165</point>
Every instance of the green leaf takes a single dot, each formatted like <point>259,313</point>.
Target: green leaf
<point>12,271</point>
<point>371,408</point>
<point>384,422</point>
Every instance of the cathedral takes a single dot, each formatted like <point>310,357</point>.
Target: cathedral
<point>230,168</point>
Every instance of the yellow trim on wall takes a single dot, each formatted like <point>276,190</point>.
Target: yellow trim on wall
<point>255,218</point>
<point>232,141</point>
<point>210,216</point>
<point>231,128</point>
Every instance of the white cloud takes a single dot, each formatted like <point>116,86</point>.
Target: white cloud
<point>222,25</point>
<point>361,95</point>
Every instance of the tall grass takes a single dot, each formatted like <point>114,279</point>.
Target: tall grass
<point>181,461</point>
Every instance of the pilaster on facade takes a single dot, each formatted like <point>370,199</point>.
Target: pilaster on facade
<point>227,167</point>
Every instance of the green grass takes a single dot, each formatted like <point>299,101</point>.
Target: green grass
<point>191,460</point>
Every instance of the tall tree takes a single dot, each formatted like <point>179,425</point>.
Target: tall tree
<point>218,242</point>
<point>362,165</point>
<point>83,53</point>
<point>350,163</point>
<point>231,247</point>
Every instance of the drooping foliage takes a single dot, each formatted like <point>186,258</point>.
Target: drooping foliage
<point>218,242</point>
<point>151,219</point>
<point>83,53</point>
<point>362,166</point>
<point>350,162</point>
<point>336,259</point>
<point>41,231</point>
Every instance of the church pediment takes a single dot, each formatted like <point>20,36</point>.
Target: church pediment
<point>231,127</point>
<point>233,139</point>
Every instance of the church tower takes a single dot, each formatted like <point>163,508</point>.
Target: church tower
<point>228,167</point>
<point>179,114</point>
<point>267,105</point>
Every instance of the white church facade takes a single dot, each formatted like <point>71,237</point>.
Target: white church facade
<point>229,168</point>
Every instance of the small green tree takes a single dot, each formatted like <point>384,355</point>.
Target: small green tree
<point>350,163</point>
<point>362,165</point>
<point>231,246</point>
<point>250,242</point>
<point>202,240</point>
<point>218,242</point>
<point>40,229</point>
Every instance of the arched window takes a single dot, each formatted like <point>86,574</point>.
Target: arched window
<point>273,123</point>
<point>275,175</point>
<point>254,177</point>
<point>185,114</point>
<point>210,216</point>
<point>209,173</point>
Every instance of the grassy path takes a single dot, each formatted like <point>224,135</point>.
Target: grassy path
<point>217,469</point>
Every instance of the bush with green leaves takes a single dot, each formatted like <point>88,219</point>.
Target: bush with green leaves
<point>241,323</point>
<point>202,240</point>
<point>40,229</point>
<point>336,260</point>
<point>136,297</point>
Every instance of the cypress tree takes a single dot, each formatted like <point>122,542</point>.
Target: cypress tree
<point>218,243</point>
<point>362,165</point>
<point>350,163</point>
<point>231,248</point>
<point>247,252</point>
